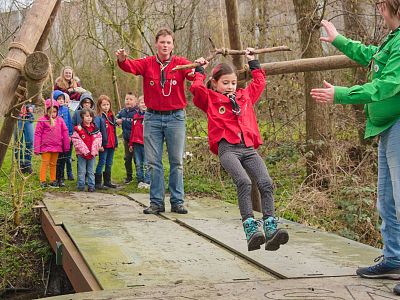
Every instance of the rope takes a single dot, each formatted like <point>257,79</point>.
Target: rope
<point>20,46</point>
<point>11,63</point>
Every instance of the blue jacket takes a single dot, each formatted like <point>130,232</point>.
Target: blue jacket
<point>127,115</point>
<point>64,113</point>
<point>100,122</point>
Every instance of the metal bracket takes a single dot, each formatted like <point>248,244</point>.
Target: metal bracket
<point>59,248</point>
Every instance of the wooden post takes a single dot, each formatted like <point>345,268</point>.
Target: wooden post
<point>9,122</point>
<point>26,41</point>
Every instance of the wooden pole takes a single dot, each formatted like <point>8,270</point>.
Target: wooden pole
<point>9,122</point>
<point>25,42</point>
<point>232,15</point>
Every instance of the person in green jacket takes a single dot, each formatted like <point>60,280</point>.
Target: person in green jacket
<point>381,96</point>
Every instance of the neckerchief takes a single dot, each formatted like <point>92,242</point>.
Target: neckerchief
<point>163,65</point>
<point>95,129</point>
<point>109,120</point>
<point>235,105</point>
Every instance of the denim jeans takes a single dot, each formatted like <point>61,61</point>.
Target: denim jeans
<point>171,129</point>
<point>85,170</point>
<point>23,152</point>
<point>68,160</point>
<point>142,168</point>
<point>105,158</point>
<point>389,192</point>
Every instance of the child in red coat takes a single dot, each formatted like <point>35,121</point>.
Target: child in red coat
<point>87,142</point>
<point>136,145</point>
<point>233,135</point>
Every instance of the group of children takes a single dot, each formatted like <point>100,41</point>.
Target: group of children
<point>91,130</point>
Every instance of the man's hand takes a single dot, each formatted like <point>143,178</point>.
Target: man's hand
<point>324,95</point>
<point>121,55</point>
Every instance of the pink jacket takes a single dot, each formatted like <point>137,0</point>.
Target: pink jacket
<point>51,138</point>
<point>82,149</point>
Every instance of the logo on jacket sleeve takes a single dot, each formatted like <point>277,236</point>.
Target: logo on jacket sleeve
<point>222,110</point>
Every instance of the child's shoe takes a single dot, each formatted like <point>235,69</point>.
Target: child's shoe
<point>274,237</point>
<point>61,183</point>
<point>255,238</point>
<point>54,184</point>
<point>43,184</point>
<point>91,189</point>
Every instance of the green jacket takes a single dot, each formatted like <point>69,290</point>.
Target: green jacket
<point>381,96</point>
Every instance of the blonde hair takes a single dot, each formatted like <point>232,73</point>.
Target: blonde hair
<point>64,84</point>
<point>100,100</point>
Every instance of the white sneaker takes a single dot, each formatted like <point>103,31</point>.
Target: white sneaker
<point>141,185</point>
<point>146,185</point>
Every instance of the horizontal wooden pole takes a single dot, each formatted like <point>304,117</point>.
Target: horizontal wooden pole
<point>309,65</point>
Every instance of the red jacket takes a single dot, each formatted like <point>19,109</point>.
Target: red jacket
<point>173,95</point>
<point>137,129</point>
<point>86,142</point>
<point>222,122</point>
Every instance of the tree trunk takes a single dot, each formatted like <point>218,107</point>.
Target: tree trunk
<point>355,29</point>
<point>27,39</point>
<point>235,43</point>
<point>317,117</point>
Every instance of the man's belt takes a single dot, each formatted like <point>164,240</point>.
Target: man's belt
<point>163,112</point>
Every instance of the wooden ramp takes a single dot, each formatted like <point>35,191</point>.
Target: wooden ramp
<point>201,255</point>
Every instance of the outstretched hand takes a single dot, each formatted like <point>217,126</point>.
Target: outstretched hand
<point>121,55</point>
<point>250,54</point>
<point>324,95</point>
<point>202,62</point>
<point>331,31</point>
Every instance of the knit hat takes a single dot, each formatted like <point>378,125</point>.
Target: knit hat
<point>58,93</point>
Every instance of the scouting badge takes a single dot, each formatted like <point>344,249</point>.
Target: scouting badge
<point>174,82</point>
<point>83,136</point>
<point>221,110</point>
<point>376,68</point>
<point>151,82</point>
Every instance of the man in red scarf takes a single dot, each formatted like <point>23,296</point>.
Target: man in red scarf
<point>164,96</point>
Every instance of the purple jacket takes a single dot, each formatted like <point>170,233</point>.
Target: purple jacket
<point>51,138</point>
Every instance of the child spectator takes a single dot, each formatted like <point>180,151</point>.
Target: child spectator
<point>51,138</point>
<point>125,118</point>
<point>136,146</point>
<point>24,139</point>
<point>233,135</point>
<point>64,159</point>
<point>110,142</point>
<point>87,142</point>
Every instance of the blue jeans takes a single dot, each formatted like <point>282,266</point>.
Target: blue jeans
<point>105,158</point>
<point>389,192</point>
<point>171,129</point>
<point>142,168</point>
<point>85,170</point>
<point>23,153</point>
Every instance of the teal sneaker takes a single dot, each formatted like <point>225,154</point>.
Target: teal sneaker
<point>255,237</point>
<point>274,236</point>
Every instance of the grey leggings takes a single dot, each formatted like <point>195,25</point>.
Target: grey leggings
<point>243,163</point>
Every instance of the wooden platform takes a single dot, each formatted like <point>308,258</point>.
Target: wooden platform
<point>201,255</point>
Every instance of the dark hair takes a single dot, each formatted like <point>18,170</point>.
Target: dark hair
<point>220,70</point>
<point>164,32</point>
<point>83,112</point>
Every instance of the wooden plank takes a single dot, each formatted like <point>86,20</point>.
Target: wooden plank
<point>123,247</point>
<point>336,288</point>
<point>309,253</point>
<point>74,266</point>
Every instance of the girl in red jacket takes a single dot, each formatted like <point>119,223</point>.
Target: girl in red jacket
<point>233,135</point>
<point>87,142</point>
<point>136,145</point>
<point>51,137</point>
